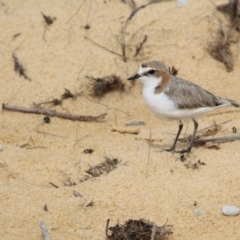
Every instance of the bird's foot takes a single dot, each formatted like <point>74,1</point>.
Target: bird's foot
<point>185,150</point>
<point>167,150</point>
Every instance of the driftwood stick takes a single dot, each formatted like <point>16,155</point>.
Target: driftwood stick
<point>44,230</point>
<point>184,139</point>
<point>52,113</point>
<point>232,138</point>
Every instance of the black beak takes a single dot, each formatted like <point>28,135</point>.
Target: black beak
<point>136,76</point>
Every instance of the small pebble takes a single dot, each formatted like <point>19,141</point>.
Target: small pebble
<point>181,2</point>
<point>198,211</point>
<point>230,210</point>
<point>1,147</point>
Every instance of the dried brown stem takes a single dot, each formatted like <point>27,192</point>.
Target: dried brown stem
<point>52,113</point>
<point>140,46</point>
<point>103,47</point>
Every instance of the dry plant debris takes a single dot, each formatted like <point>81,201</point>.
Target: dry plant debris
<point>18,67</point>
<point>212,145</point>
<point>220,47</point>
<point>68,94</point>
<point>55,101</point>
<point>48,19</point>
<point>100,86</point>
<point>104,167</point>
<point>125,45</point>
<point>126,131</point>
<point>52,113</point>
<point>137,230</point>
<point>173,71</point>
<point>135,123</point>
<point>88,150</point>
<point>189,163</point>
<point>220,50</point>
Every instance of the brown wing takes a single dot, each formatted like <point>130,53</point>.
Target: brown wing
<point>189,95</point>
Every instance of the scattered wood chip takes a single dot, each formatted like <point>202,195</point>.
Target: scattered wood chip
<point>150,139</point>
<point>88,150</point>
<point>45,207</point>
<point>90,204</point>
<point>137,230</point>
<point>135,123</point>
<point>124,130</point>
<point>77,194</point>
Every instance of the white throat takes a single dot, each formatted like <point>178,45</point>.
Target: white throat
<point>149,81</point>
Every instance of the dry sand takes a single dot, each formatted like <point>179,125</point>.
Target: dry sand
<point>152,185</point>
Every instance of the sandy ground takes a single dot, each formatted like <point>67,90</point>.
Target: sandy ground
<point>151,185</point>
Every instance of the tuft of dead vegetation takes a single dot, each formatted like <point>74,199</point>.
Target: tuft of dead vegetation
<point>101,86</point>
<point>138,230</point>
<point>173,71</point>
<point>220,48</point>
<point>108,165</point>
<point>127,49</point>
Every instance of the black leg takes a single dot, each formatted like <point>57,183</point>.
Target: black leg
<point>180,127</point>
<point>189,148</point>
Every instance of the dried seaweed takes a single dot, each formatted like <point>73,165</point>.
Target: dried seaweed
<point>100,86</point>
<point>230,9</point>
<point>220,48</point>
<point>137,230</point>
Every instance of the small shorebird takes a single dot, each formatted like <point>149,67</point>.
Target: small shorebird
<point>171,98</point>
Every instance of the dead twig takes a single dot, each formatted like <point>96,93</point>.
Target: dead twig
<point>52,113</point>
<point>140,46</point>
<point>99,45</point>
<point>54,185</point>
<point>44,230</point>
<point>232,138</point>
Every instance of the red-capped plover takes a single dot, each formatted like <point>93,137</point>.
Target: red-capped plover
<point>171,98</point>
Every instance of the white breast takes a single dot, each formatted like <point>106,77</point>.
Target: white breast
<point>163,107</point>
<point>159,104</point>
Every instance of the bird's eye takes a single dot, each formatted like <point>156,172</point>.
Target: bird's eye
<point>152,71</point>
